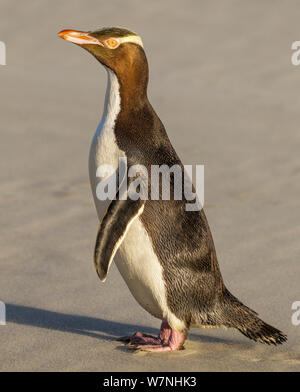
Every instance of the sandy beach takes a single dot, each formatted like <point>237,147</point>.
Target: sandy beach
<point>222,82</point>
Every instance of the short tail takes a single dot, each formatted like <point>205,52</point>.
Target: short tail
<point>249,324</point>
<point>262,332</point>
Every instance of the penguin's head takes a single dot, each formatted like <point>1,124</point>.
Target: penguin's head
<point>115,47</point>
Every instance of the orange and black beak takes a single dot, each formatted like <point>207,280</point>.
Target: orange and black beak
<point>79,37</point>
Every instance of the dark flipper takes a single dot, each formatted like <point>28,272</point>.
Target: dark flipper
<point>112,230</point>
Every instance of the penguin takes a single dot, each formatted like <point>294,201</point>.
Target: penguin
<point>166,254</point>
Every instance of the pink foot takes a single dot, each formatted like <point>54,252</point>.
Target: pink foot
<point>145,339</point>
<point>175,343</point>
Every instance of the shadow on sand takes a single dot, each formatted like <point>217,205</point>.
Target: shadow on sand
<point>84,325</point>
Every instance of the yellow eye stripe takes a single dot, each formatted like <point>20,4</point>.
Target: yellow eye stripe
<point>132,38</point>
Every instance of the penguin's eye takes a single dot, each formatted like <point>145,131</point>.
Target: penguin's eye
<point>112,43</point>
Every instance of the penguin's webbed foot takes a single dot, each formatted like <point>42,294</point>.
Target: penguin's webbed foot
<point>140,338</point>
<point>175,343</point>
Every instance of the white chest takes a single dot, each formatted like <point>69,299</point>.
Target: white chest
<point>104,149</point>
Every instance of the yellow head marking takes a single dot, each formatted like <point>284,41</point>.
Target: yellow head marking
<point>132,38</point>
